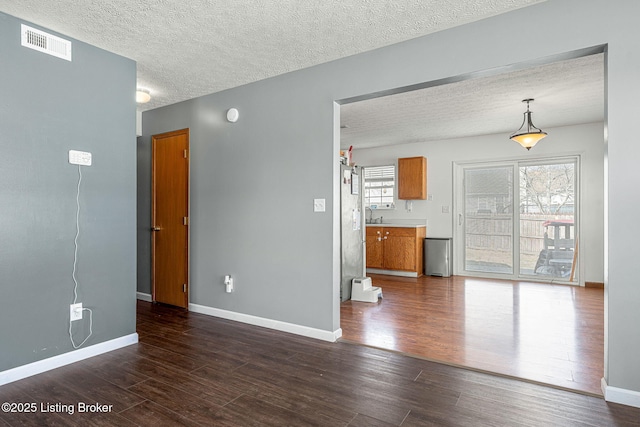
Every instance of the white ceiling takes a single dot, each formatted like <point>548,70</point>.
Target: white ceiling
<point>566,93</point>
<point>189,48</point>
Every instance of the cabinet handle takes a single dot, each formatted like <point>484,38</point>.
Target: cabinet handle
<point>385,237</point>
<point>386,232</point>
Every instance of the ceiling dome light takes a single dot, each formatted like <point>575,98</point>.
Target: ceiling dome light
<point>142,96</point>
<point>532,135</point>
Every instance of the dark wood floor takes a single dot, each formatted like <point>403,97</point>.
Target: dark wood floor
<point>194,370</point>
<point>548,333</point>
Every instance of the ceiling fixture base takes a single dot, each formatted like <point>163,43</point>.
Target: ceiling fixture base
<point>143,96</point>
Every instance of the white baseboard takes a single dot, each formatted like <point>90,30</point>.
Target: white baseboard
<point>620,395</point>
<point>143,297</point>
<point>392,272</point>
<point>54,362</point>
<point>268,323</point>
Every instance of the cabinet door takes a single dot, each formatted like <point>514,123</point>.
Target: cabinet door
<point>399,248</point>
<point>374,247</point>
<point>412,178</point>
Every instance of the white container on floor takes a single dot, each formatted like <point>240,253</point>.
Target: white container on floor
<point>361,290</point>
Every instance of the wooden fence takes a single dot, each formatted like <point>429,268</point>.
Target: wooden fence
<point>495,232</point>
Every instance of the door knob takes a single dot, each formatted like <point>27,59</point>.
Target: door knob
<point>155,228</point>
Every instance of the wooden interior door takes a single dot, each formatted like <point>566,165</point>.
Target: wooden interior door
<point>170,218</point>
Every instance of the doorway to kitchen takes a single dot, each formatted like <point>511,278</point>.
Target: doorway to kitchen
<point>518,219</point>
<point>496,315</point>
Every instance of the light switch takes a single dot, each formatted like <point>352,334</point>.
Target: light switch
<point>318,205</point>
<point>445,209</point>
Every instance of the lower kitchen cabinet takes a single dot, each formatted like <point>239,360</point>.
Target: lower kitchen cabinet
<point>374,247</point>
<point>395,249</point>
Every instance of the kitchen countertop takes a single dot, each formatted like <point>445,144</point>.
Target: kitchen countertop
<point>393,224</point>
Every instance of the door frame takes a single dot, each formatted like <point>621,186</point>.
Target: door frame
<point>458,211</point>
<point>153,211</point>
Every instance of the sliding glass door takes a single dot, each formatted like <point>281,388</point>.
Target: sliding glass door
<point>518,219</point>
<point>488,219</point>
<point>547,220</point>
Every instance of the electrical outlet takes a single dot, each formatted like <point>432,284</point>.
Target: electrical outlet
<point>81,158</point>
<point>75,311</point>
<point>228,281</point>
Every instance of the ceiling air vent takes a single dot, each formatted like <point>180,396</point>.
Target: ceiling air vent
<point>44,42</point>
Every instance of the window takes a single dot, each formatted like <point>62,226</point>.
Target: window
<point>379,187</point>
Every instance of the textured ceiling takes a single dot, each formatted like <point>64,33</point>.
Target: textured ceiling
<point>566,93</point>
<point>188,48</point>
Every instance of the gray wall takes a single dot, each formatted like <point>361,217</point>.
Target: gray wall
<point>47,107</point>
<point>253,182</point>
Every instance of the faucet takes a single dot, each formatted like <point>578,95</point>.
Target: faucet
<point>370,220</point>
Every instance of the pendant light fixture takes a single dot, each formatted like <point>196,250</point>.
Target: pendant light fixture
<point>529,136</point>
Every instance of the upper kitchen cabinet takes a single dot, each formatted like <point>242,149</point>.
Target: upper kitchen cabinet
<point>412,178</point>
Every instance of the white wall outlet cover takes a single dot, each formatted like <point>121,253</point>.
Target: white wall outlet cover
<point>82,158</point>
<point>75,312</point>
<point>319,205</point>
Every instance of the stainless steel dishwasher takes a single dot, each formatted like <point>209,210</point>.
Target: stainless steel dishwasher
<point>438,256</point>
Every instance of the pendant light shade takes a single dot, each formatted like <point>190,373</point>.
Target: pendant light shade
<point>530,135</point>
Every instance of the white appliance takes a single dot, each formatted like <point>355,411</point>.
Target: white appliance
<point>352,238</point>
<point>352,228</point>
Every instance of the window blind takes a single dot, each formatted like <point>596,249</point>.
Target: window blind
<point>380,173</point>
